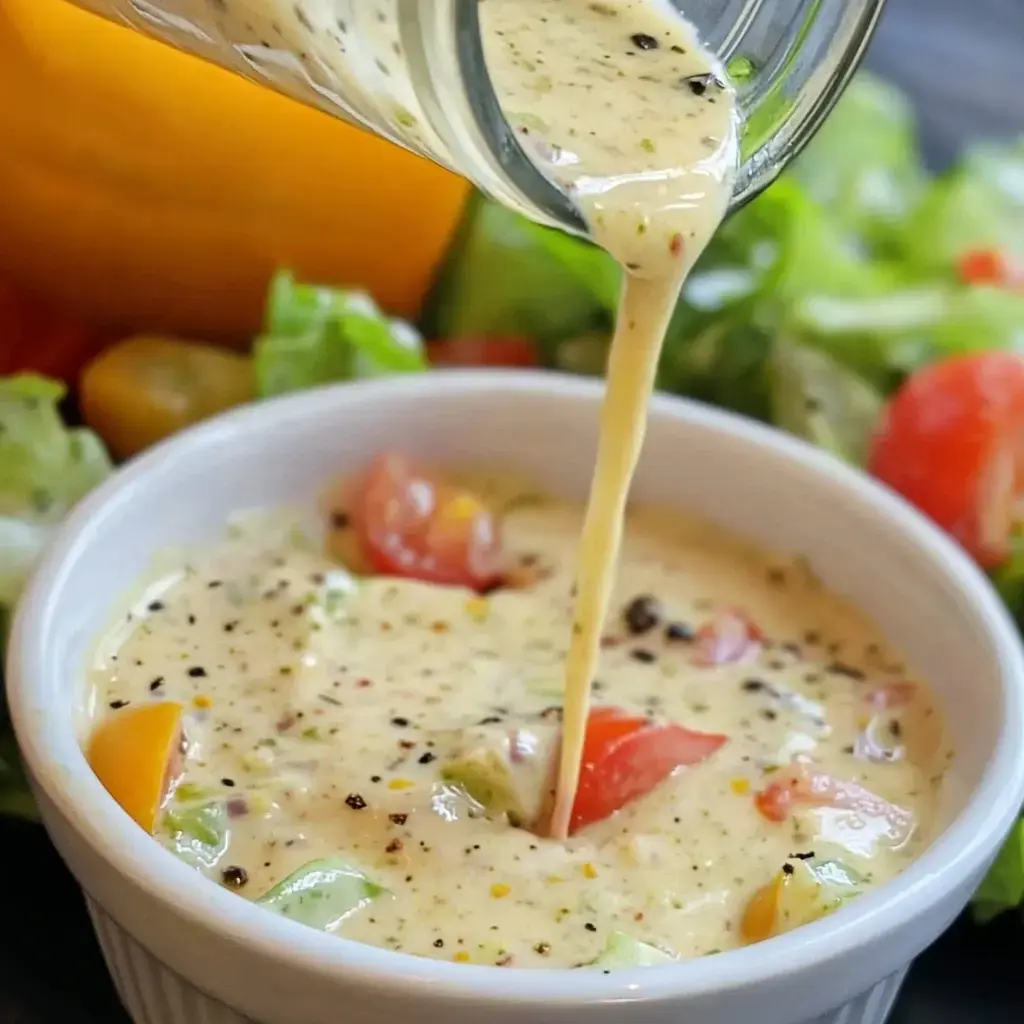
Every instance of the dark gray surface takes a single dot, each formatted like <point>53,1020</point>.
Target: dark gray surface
<point>963,63</point>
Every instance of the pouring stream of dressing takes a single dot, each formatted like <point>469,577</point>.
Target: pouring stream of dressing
<point>619,104</point>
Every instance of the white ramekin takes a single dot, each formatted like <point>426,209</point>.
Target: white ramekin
<point>184,951</point>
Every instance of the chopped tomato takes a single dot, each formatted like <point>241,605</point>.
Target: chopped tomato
<point>761,913</point>
<point>892,695</point>
<point>774,801</point>
<point>137,755</point>
<point>804,785</point>
<point>990,267</point>
<point>507,350</point>
<point>729,636</point>
<point>952,443</point>
<point>626,756</point>
<point>410,523</point>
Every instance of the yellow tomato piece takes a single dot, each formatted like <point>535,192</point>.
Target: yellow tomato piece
<point>134,754</point>
<point>145,388</point>
<point>760,916</point>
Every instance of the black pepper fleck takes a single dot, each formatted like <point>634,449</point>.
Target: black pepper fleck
<point>642,41</point>
<point>398,819</point>
<point>197,672</point>
<point>235,876</point>
<point>699,84</point>
<point>840,669</point>
<point>399,722</point>
<point>427,758</point>
<point>590,926</point>
<point>642,614</point>
<point>680,631</point>
<point>644,656</point>
<point>156,684</point>
<point>355,801</point>
<point>116,705</point>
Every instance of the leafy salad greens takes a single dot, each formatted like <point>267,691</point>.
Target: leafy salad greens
<point>808,309</point>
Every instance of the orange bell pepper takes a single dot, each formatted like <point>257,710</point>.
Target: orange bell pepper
<point>151,191</point>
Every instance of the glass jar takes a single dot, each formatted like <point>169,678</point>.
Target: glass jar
<point>413,72</point>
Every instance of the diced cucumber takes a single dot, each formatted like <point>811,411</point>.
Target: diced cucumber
<point>321,894</point>
<point>198,835</point>
<point>622,951</point>
<point>487,777</point>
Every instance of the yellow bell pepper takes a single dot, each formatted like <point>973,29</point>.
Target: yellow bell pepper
<point>152,191</point>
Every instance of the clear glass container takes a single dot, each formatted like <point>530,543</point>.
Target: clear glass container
<point>413,72</point>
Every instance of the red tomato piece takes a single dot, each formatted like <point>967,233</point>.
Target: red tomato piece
<point>411,523</point>
<point>951,442</point>
<point>804,785</point>
<point>774,802</point>
<point>507,350</point>
<point>729,637</point>
<point>626,756</point>
<point>990,267</point>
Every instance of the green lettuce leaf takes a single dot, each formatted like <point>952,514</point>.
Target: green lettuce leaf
<point>979,205</point>
<point>1003,887</point>
<point>864,166</point>
<point>506,276</point>
<point>44,469</point>
<point>822,401</point>
<point>315,335</point>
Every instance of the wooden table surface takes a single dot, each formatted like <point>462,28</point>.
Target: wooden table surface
<point>963,62</point>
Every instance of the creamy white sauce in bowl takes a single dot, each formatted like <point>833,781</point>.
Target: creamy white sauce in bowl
<point>863,544</point>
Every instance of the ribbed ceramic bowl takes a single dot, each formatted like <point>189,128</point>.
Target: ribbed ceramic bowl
<point>184,951</point>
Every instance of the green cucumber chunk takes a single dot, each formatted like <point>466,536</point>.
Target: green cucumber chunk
<point>321,894</point>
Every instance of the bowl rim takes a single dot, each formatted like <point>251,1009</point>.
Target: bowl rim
<point>50,744</point>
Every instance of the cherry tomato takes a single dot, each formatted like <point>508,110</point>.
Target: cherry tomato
<point>990,267</point>
<point>730,636</point>
<point>143,389</point>
<point>626,756</point>
<point>804,785</point>
<point>951,442</point>
<point>411,523</point>
<point>510,351</point>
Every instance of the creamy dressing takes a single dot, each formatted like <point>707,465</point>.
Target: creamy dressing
<point>619,104</point>
<point>325,715</point>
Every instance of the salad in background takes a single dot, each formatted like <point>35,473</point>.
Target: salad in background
<point>859,303</point>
